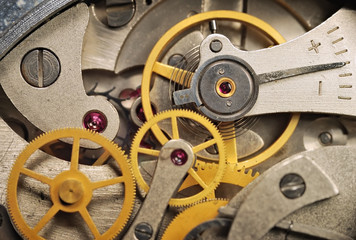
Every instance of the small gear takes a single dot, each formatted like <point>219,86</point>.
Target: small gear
<point>71,190</point>
<point>233,175</point>
<point>195,215</point>
<point>173,118</point>
<point>153,65</point>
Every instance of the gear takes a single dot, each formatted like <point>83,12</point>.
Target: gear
<point>232,175</point>
<point>71,190</point>
<point>154,66</point>
<point>179,228</point>
<point>174,117</point>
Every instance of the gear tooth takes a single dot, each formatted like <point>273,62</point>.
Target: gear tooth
<point>121,159</point>
<point>209,205</point>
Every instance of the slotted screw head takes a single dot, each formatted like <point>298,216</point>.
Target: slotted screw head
<point>143,231</point>
<point>40,67</point>
<point>292,186</point>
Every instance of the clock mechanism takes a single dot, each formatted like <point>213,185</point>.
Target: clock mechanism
<point>165,119</point>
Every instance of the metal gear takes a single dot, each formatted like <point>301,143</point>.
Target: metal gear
<point>232,175</point>
<point>173,117</point>
<point>71,190</point>
<point>154,66</point>
<point>195,215</point>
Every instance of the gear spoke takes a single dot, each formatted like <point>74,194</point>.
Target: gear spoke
<point>89,221</point>
<point>102,159</point>
<point>180,76</point>
<point>36,176</point>
<point>75,154</point>
<point>175,130</point>
<point>197,178</point>
<point>147,151</point>
<point>108,182</point>
<point>46,218</point>
<point>71,190</point>
<point>204,145</point>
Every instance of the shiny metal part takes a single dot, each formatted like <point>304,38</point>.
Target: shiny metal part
<point>203,91</point>
<point>29,20</point>
<point>323,93</point>
<point>278,75</point>
<point>292,186</point>
<point>159,195</point>
<point>308,230</point>
<point>40,68</point>
<point>276,206</point>
<point>309,195</point>
<point>119,12</point>
<point>44,107</point>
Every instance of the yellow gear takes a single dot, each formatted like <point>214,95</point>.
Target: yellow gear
<point>154,66</point>
<point>232,175</point>
<point>71,190</point>
<point>194,215</point>
<point>207,186</point>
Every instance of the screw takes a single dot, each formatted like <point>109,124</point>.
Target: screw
<point>216,46</point>
<point>325,138</point>
<point>40,67</point>
<point>292,186</point>
<point>228,103</point>
<point>221,71</point>
<point>119,12</point>
<point>143,231</point>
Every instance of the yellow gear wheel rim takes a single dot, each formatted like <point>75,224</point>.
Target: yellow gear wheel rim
<point>194,215</point>
<point>71,186</point>
<point>208,185</point>
<point>154,66</point>
<point>232,175</point>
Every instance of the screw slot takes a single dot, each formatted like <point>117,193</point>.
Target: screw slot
<point>40,67</point>
<point>143,231</point>
<point>292,186</point>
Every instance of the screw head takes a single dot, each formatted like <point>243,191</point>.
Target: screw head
<point>143,231</point>
<point>292,186</point>
<point>216,46</point>
<point>221,71</point>
<point>40,67</point>
<point>119,12</point>
<point>326,138</point>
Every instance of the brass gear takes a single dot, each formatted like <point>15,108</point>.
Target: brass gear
<point>71,190</point>
<point>173,115</point>
<point>233,175</point>
<point>195,215</point>
<point>154,66</point>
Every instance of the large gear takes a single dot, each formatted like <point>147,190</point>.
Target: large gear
<point>174,116</point>
<point>154,66</point>
<point>71,190</point>
<point>179,228</point>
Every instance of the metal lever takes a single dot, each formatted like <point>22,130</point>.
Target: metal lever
<point>170,170</point>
